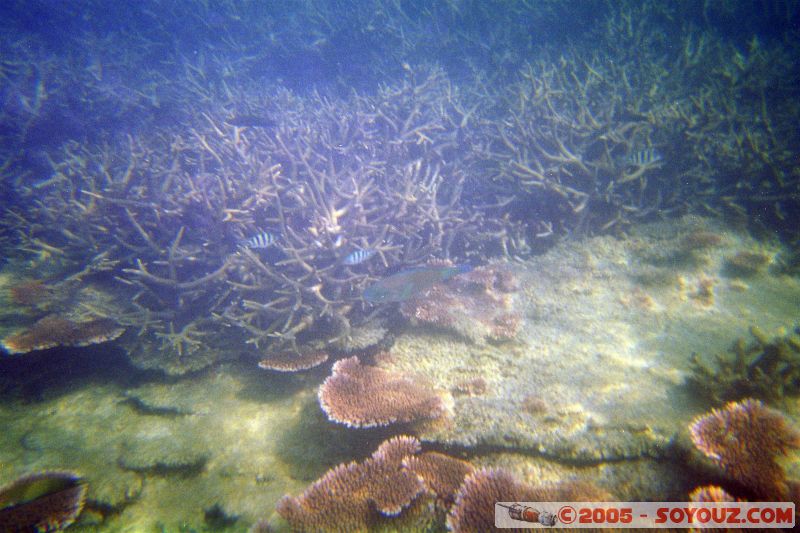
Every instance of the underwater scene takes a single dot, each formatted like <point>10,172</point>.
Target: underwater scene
<point>375,265</point>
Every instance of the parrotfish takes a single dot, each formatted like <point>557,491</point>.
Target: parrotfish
<point>359,256</point>
<point>409,283</point>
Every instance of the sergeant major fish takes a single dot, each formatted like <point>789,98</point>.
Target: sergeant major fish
<point>359,256</point>
<point>259,241</point>
<point>644,157</point>
<point>409,283</point>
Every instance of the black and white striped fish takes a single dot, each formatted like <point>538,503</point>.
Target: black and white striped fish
<point>644,157</point>
<point>259,241</point>
<point>359,256</point>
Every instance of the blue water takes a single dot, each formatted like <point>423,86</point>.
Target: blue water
<point>140,142</point>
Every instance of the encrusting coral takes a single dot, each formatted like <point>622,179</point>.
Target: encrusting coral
<point>745,439</point>
<point>52,331</point>
<point>43,502</point>
<point>366,396</point>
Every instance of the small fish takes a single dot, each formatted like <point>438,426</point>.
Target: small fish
<point>409,283</point>
<point>359,256</point>
<point>641,158</point>
<point>260,241</point>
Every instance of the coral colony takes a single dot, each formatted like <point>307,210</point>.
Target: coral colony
<point>290,224</point>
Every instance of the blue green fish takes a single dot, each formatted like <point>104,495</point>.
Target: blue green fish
<point>409,283</point>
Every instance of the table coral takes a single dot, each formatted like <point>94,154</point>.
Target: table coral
<point>343,499</point>
<point>745,440</point>
<point>365,396</point>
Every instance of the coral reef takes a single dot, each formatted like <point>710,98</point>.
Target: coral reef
<point>745,440</point>
<point>348,496</point>
<point>293,361</point>
<point>478,305</point>
<point>474,506</point>
<point>763,368</point>
<point>441,474</point>
<point>746,263</point>
<point>365,396</point>
<point>710,493</point>
<point>52,331</point>
<point>44,502</point>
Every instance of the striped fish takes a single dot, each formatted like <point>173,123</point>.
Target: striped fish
<point>644,157</point>
<point>259,241</point>
<point>359,256</point>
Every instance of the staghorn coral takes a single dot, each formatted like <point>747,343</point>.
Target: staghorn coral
<point>477,305</point>
<point>745,439</point>
<point>292,361</point>
<point>48,501</point>
<point>179,214</point>
<point>347,497</point>
<point>366,396</point>
<point>763,368</point>
<point>52,331</point>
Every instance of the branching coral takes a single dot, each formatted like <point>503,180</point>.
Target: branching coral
<point>764,368</point>
<point>745,440</point>
<point>366,396</point>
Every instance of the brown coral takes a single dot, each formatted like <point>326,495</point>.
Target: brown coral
<point>30,293</point>
<point>346,498</point>
<point>474,507</point>
<point>710,494</point>
<point>745,264</point>
<point>52,331</point>
<point>473,510</point>
<point>441,474</point>
<point>293,361</point>
<point>744,439</point>
<point>49,501</point>
<point>367,396</point>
